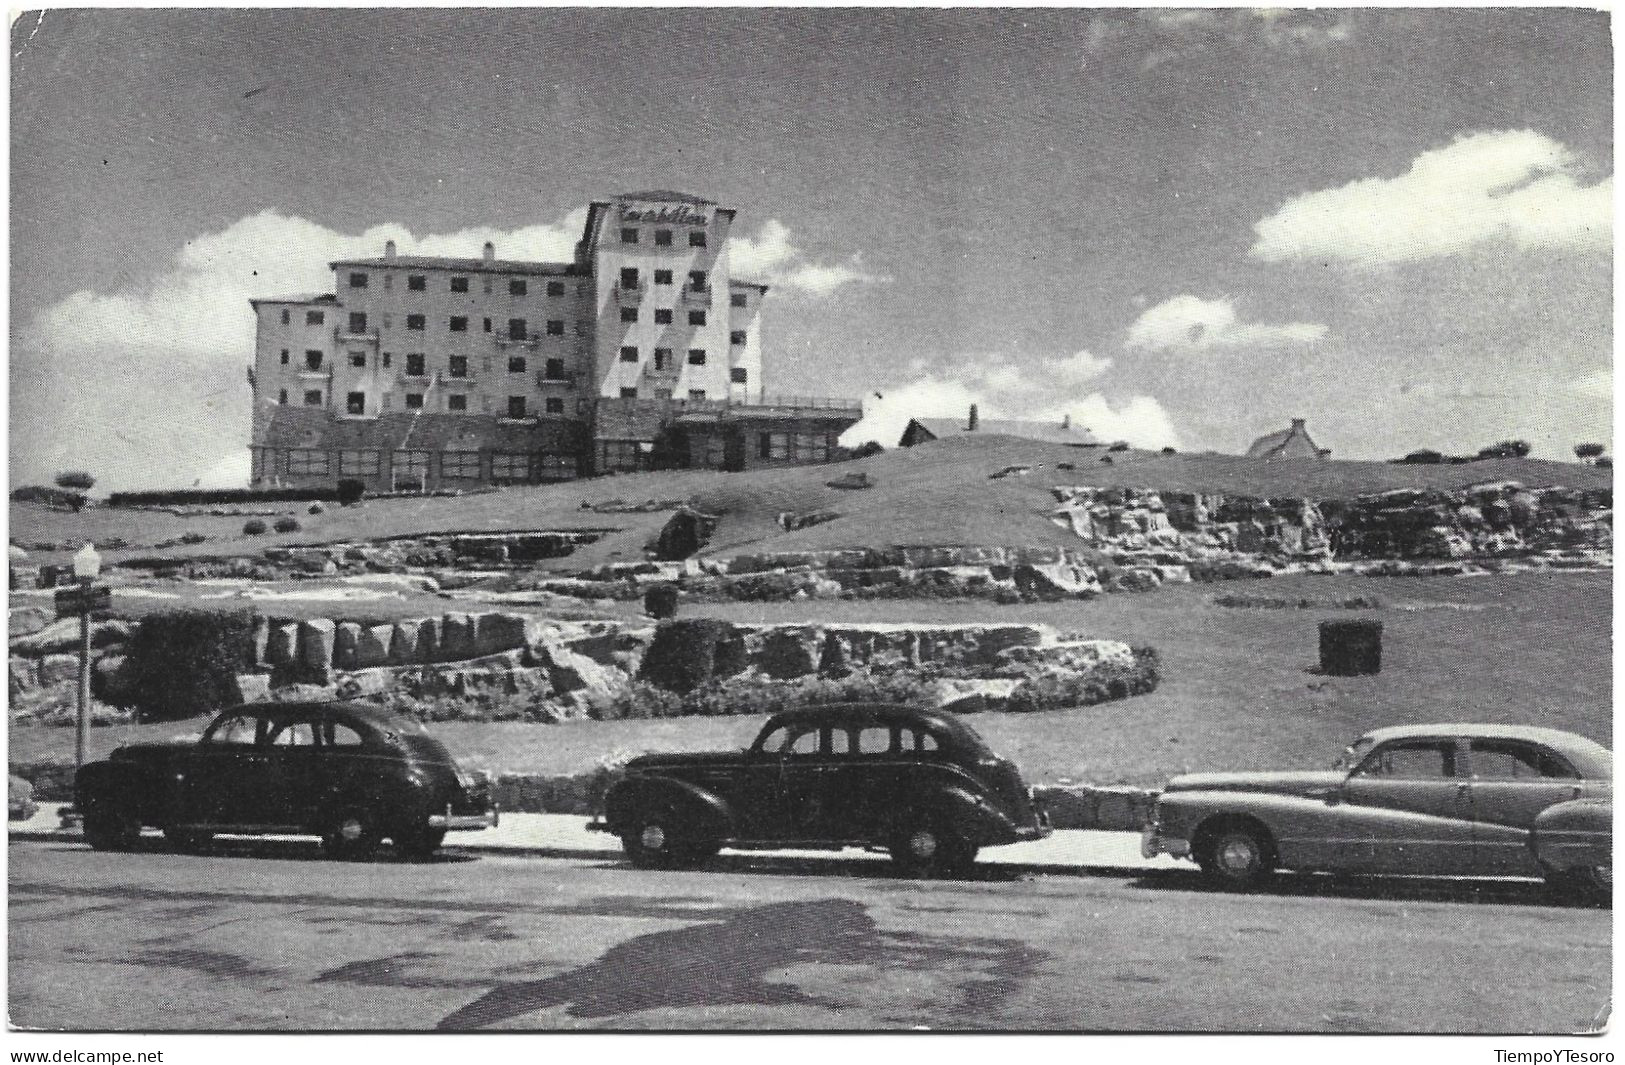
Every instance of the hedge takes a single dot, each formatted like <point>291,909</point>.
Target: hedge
<point>183,663</point>
<point>209,496</point>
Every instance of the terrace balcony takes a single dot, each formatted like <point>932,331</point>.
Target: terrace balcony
<point>564,380</point>
<point>630,295</point>
<point>527,341</point>
<point>695,296</point>
<point>343,335</point>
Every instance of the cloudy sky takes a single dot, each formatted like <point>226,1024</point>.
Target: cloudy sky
<point>1181,227</point>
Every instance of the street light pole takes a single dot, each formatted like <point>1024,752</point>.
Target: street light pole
<point>87,565</point>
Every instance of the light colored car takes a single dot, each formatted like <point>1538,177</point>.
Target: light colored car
<point>1439,800</point>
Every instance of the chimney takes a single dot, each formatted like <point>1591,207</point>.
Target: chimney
<point>970,426</point>
<point>490,252</point>
<point>389,249</point>
<point>1297,425</point>
<point>1066,421</point>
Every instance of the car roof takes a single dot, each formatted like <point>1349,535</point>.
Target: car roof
<point>1589,756</point>
<point>941,721</point>
<point>338,709</point>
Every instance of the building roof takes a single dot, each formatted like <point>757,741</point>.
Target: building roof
<point>1273,445</point>
<point>666,196</point>
<point>734,282</point>
<point>311,427</point>
<point>298,297</point>
<point>475,266</point>
<point>1048,432</point>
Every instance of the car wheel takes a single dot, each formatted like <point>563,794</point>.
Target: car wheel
<point>928,847</point>
<point>110,830</point>
<point>1588,883</point>
<point>1235,858</point>
<point>351,836</point>
<point>188,840</point>
<point>656,842</point>
<point>419,844</point>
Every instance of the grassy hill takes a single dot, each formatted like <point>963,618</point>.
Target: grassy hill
<point>937,494</point>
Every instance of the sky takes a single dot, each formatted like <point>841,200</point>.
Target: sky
<point>1182,228</point>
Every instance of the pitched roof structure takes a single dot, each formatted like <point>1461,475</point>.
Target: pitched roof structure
<point>1293,442</point>
<point>1046,431</point>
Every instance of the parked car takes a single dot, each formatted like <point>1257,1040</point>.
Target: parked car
<point>353,773</point>
<point>919,784</point>
<point>1444,800</point>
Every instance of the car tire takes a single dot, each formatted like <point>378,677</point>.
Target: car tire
<point>930,847</point>
<point>1592,884</point>
<point>187,840</point>
<point>110,830</point>
<point>350,836</point>
<point>1236,857</point>
<point>656,841</point>
<point>419,844</point>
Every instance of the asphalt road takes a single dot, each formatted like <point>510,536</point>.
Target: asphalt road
<point>267,936</point>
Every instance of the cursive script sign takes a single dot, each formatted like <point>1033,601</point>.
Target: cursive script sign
<point>680,215</point>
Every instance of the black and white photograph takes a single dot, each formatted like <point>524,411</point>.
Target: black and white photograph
<point>810,520</point>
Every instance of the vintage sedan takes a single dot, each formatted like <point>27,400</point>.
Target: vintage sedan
<point>353,773</point>
<point>1441,800</point>
<point>919,784</point>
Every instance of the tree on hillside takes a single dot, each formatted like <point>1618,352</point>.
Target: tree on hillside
<point>1506,449</point>
<point>77,479</point>
<point>1584,452</point>
<point>1423,457</point>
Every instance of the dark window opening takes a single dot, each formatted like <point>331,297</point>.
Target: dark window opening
<point>416,282</point>
<point>355,402</point>
<point>459,284</point>
<point>459,324</point>
<point>358,280</point>
<point>517,287</point>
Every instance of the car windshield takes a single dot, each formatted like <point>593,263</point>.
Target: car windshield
<point>1353,754</point>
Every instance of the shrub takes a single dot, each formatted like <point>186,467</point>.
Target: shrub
<point>51,497</point>
<point>1121,445</point>
<point>192,538</point>
<point>1056,691</point>
<point>1424,457</point>
<point>350,491</point>
<point>686,653</point>
<point>253,527</point>
<point>1170,451</point>
<point>287,524</point>
<point>317,508</point>
<point>867,448</point>
<point>182,663</point>
<point>78,480</point>
<point>1506,449</point>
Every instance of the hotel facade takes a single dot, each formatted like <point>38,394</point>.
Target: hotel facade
<point>642,352</point>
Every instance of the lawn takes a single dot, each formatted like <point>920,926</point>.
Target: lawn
<point>1238,688</point>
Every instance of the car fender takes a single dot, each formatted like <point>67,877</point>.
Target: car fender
<point>123,785</point>
<point>707,812</point>
<point>973,816</point>
<point>1575,834</point>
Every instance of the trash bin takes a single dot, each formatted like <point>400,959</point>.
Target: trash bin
<point>661,601</point>
<point>1351,648</point>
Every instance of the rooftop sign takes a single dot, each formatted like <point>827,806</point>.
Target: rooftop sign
<point>680,215</point>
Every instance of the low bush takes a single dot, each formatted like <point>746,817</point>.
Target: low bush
<point>286,525</point>
<point>183,663</point>
<point>350,491</point>
<point>253,527</point>
<point>51,497</point>
<point>1057,691</point>
<point>201,496</point>
<point>192,538</point>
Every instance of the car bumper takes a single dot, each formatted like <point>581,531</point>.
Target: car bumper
<point>1153,843</point>
<point>465,822</point>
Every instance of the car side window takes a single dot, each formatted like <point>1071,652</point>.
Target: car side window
<point>773,742</point>
<point>874,740</point>
<point>1411,760</point>
<point>1504,760</point>
<point>918,740</point>
<point>840,742</point>
<point>293,734</point>
<point>335,734</point>
<point>241,730</point>
<point>803,743</point>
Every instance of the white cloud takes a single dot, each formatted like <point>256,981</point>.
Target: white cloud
<point>1599,385</point>
<point>1001,388</point>
<point>772,257</point>
<point>1514,186</point>
<point>1190,324</point>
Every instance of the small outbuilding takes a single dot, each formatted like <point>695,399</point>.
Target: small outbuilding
<point>922,430</point>
<point>1290,443</point>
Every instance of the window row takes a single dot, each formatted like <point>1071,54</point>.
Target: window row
<point>517,286</point>
<point>662,316</point>
<point>663,356</point>
<point>311,317</point>
<point>631,278</point>
<point>802,447</point>
<point>631,392</point>
<point>456,403</point>
<point>662,237</point>
<point>417,465</point>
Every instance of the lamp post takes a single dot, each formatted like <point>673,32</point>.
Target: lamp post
<point>87,566</point>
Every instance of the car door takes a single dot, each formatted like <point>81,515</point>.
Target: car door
<point>1407,810</point>
<point>852,783</point>
<point>228,772</point>
<point>758,801</point>
<point>802,793</point>
<point>1513,781</point>
<point>296,774</point>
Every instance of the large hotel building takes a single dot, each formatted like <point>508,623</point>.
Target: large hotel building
<point>642,352</point>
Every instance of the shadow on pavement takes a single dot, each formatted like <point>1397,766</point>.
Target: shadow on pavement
<point>1377,888</point>
<point>280,849</point>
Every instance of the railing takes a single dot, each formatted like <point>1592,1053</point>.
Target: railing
<point>815,402</point>
<point>527,341</point>
<point>629,295</point>
<point>696,295</point>
<point>566,380</point>
<point>343,335</point>
<point>446,377</point>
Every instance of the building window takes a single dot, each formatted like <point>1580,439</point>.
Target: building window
<point>662,277</point>
<point>313,397</point>
<point>629,353</point>
<point>510,468</point>
<point>416,282</point>
<point>284,316</point>
<point>516,406</point>
<point>415,365</point>
<point>629,314</point>
<point>629,236</point>
<point>555,288</point>
<point>775,446</point>
<point>458,403</point>
<point>358,280</point>
<point>358,322</point>
<point>461,465</point>
<point>811,447</point>
<point>458,324</point>
<point>696,238</point>
<point>554,404</point>
<point>662,238</point>
<point>518,329</point>
<point>737,337</point>
<point>516,364</point>
<point>387,279</point>
<point>358,359</point>
<point>282,397</point>
<point>629,277</point>
<point>696,317</point>
<point>739,299</point>
<point>415,321</point>
<point>736,375</point>
<point>313,359</point>
<point>696,393</point>
<point>315,317</point>
<point>486,284</point>
<point>629,393</point>
<point>517,286</point>
<point>284,356</point>
<point>358,463</point>
<point>662,358</point>
<point>411,466</point>
<point>459,284</point>
<point>696,280</point>
<point>487,325</point>
<point>414,401</point>
<point>619,455</point>
<point>662,316</point>
<point>459,365</point>
<point>555,327</point>
<point>696,356</point>
<point>385,357</point>
<point>355,403</point>
<point>305,462</point>
<point>554,370</point>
